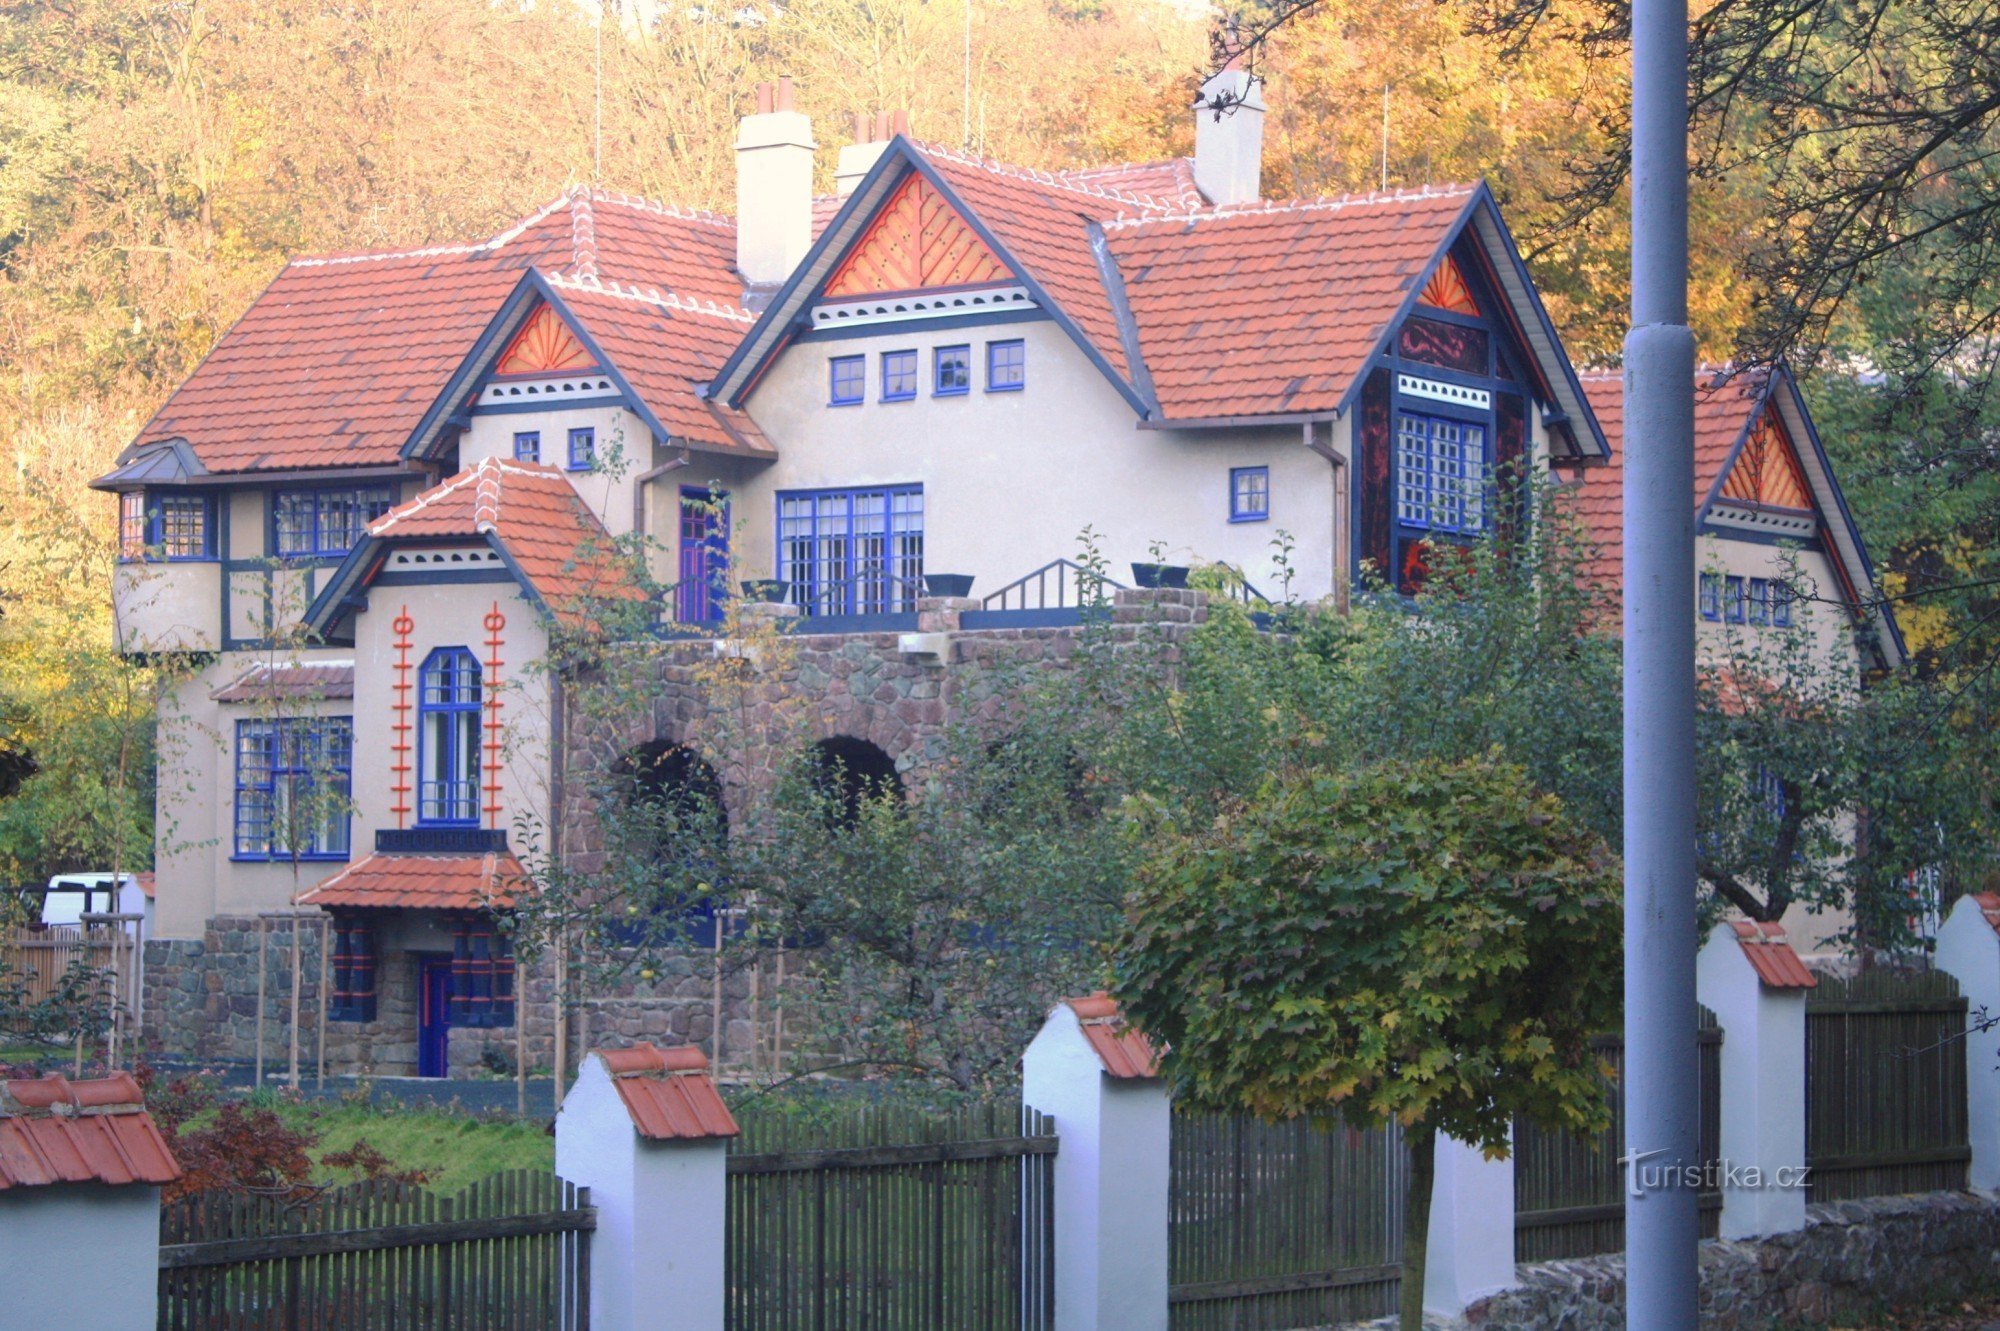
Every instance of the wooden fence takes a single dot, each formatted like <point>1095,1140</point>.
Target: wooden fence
<point>1885,1085</point>
<point>509,1253</point>
<point>892,1219</point>
<point>1283,1225</point>
<point>1569,1192</point>
<point>39,957</point>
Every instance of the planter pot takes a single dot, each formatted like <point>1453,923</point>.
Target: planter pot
<point>1160,575</point>
<point>948,584</point>
<point>769,590</point>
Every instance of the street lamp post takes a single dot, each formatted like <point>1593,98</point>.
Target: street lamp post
<point>1661,1142</point>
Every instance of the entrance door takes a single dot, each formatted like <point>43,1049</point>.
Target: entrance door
<point>433,1013</point>
<point>704,536</point>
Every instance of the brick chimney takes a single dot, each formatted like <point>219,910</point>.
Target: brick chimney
<point>1229,137</point>
<point>774,163</point>
<point>871,136</point>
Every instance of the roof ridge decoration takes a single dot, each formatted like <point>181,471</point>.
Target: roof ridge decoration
<point>1036,176</point>
<point>583,237</point>
<point>648,295</point>
<point>486,502</point>
<point>1279,207</point>
<point>639,203</point>
<point>474,475</point>
<point>499,240</point>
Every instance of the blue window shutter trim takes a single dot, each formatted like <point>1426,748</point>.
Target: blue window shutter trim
<point>1249,494</point>
<point>899,376</point>
<point>847,380</point>
<point>1006,366</point>
<point>527,445</point>
<point>951,374</point>
<point>582,448</point>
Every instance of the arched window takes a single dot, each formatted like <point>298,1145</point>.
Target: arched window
<point>669,813</point>
<point>448,739</point>
<point>850,773</point>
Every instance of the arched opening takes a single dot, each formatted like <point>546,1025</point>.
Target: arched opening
<point>668,827</point>
<point>849,774</point>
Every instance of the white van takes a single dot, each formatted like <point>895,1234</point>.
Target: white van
<point>71,896</point>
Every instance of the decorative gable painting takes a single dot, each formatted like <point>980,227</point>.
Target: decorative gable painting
<point>916,242</point>
<point>545,345</point>
<point>1767,472</point>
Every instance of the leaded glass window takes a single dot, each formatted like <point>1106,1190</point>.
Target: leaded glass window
<point>1442,473</point>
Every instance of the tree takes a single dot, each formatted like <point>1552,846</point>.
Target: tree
<point>1420,942</point>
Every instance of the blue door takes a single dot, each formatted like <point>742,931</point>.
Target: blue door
<point>433,1013</point>
<point>704,564</point>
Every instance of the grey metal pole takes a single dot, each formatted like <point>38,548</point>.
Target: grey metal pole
<point>1661,1107</point>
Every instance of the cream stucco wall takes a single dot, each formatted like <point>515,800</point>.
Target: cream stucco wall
<point>1011,479</point>
<point>1832,629</point>
<point>451,615</point>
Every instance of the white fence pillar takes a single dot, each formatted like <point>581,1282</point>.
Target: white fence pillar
<point>1470,1251</point>
<point>1749,976</point>
<point>1968,948</point>
<point>1099,1080</point>
<point>646,1132</point>
<point>81,1164</point>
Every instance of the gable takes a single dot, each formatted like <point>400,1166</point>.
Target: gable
<point>545,345</point>
<point>1448,290</point>
<point>1767,472</point>
<point>916,241</point>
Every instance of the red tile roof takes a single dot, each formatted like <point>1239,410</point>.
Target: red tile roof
<point>669,1093</point>
<point>148,885</point>
<point>1125,1053</point>
<point>422,882</point>
<point>1989,906</point>
<point>317,679</point>
<point>341,356</point>
<point>1170,182</point>
<point>1771,956</point>
<point>542,524</point>
<point>1597,495</point>
<point>1274,309</point>
<point>55,1130</point>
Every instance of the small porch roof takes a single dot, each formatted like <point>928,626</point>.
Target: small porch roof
<point>422,882</point>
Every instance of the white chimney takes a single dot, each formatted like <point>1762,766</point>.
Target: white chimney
<point>1229,138</point>
<point>774,164</point>
<point>870,138</point>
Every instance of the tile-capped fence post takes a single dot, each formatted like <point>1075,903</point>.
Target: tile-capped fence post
<point>1099,1080</point>
<point>645,1130</point>
<point>1749,976</point>
<point>1968,948</point>
<point>81,1164</point>
<point>1469,1251</point>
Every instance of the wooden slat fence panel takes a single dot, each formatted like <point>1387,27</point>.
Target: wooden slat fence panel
<point>1569,1192</point>
<point>512,1250</point>
<point>1885,1085</point>
<point>38,957</point>
<point>892,1218</point>
<point>1283,1225</point>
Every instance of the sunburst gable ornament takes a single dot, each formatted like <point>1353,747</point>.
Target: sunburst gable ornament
<point>545,345</point>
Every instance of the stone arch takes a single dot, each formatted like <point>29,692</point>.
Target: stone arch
<point>679,821</point>
<point>851,772</point>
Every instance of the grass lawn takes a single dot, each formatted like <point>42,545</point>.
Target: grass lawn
<point>454,1149</point>
<point>1977,1314</point>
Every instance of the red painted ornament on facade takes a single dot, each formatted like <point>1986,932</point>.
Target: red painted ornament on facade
<point>494,623</point>
<point>545,345</point>
<point>1767,471</point>
<point>916,241</point>
<point>399,747</point>
<point>1447,290</point>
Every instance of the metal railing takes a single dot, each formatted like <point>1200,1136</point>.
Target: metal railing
<point>1060,584</point>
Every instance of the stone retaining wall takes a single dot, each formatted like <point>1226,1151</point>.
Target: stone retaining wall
<point>1851,1259</point>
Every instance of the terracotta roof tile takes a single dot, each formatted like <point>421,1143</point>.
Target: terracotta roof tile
<point>317,679</point>
<point>1776,964</point>
<point>422,882</point>
<point>1254,310</point>
<point>1126,1054</point>
<point>540,521</point>
<point>1597,495</point>
<point>1989,906</point>
<point>669,1093</point>
<point>1170,182</point>
<point>54,1130</point>
<point>340,357</point>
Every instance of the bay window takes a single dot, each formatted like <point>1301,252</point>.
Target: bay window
<point>325,523</point>
<point>293,777</point>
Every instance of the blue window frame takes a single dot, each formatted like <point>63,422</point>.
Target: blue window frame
<point>527,445</point>
<point>448,702</point>
<point>1781,604</point>
<point>899,376</point>
<point>951,375</point>
<point>1442,473</point>
<point>326,523</point>
<point>1732,600</point>
<point>582,448</point>
<point>1711,596</point>
<point>1249,494</point>
<point>293,778</point>
<point>1760,601</point>
<point>848,380</point>
<point>173,527</point>
<point>1006,366</point>
<point>852,552</point>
